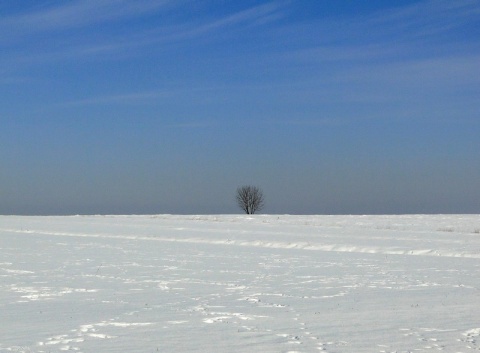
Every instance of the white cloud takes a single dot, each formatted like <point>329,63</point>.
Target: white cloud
<point>79,13</point>
<point>253,16</point>
<point>424,19</point>
<point>118,43</point>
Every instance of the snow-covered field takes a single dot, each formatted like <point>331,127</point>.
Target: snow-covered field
<point>240,284</point>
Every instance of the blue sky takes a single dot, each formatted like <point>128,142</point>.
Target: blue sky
<point>158,106</point>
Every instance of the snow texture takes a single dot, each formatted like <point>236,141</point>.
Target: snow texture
<point>240,283</point>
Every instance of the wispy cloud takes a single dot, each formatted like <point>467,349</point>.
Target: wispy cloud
<point>142,97</point>
<point>427,17</point>
<point>78,13</point>
<point>416,41</point>
<point>403,25</point>
<point>124,98</point>
<point>82,13</point>
<point>95,43</point>
<point>253,16</point>
<point>400,55</point>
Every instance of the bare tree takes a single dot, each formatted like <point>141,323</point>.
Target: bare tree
<point>250,199</point>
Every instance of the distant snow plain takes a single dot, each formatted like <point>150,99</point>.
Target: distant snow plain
<point>232,283</point>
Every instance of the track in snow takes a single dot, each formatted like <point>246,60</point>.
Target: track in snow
<point>238,284</point>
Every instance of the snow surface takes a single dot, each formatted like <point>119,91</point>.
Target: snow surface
<point>240,283</point>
